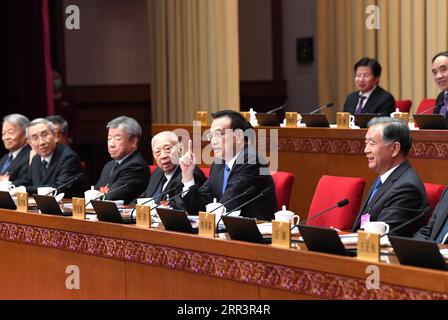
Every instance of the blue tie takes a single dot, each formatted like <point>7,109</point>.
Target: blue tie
<point>443,232</point>
<point>375,188</point>
<point>225,178</point>
<point>43,168</point>
<point>6,165</point>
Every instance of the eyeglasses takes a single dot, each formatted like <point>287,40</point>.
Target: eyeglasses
<point>362,75</point>
<point>217,134</point>
<point>167,149</point>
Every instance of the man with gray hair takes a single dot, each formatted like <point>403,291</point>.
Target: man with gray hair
<point>398,194</point>
<point>14,164</point>
<point>167,150</point>
<point>54,164</point>
<point>60,128</point>
<point>127,169</point>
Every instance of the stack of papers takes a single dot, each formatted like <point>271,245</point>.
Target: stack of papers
<point>266,228</point>
<point>352,238</point>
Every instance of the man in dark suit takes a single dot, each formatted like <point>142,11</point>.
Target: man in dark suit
<point>437,227</point>
<point>370,97</point>
<point>398,195</point>
<point>14,165</point>
<point>126,176</point>
<point>166,150</point>
<point>54,165</point>
<point>440,74</point>
<point>235,168</point>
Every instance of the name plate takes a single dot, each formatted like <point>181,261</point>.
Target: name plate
<point>368,246</point>
<point>207,224</point>
<point>143,216</point>
<point>79,208</point>
<point>22,201</point>
<point>281,234</point>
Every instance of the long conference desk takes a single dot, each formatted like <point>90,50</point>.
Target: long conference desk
<point>310,153</point>
<point>39,253</point>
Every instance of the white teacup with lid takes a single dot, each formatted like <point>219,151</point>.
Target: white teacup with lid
<point>287,216</point>
<point>217,208</point>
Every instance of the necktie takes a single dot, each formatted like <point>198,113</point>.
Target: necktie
<point>359,107</point>
<point>225,178</point>
<point>43,168</point>
<point>377,185</point>
<point>6,165</point>
<point>159,189</point>
<point>443,232</point>
<point>444,107</point>
<point>115,166</point>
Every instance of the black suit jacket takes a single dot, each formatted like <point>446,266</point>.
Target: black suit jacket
<point>63,167</point>
<point>380,101</point>
<point>440,215</point>
<point>401,198</point>
<point>133,171</point>
<point>18,169</point>
<point>439,102</point>
<point>174,183</point>
<point>244,174</point>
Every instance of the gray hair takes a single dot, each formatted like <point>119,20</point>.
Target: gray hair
<point>172,137</point>
<point>57,119</point>
<point>130,125</point>
<point>37,121</point>
<point>394,130</point>
<point>17,119</point>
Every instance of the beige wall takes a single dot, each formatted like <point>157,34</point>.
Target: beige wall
<point>111,46</point>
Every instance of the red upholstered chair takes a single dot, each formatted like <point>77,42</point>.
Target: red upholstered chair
<point>283,182</point>
<point>433,192</point>
<point>329,191</point>
<point>403,105</point>
<point>206,171</point>
<point>152,167</point>
<point>425,106</point>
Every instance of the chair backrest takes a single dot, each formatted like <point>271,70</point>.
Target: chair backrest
<point>403,105</point>
<point>433,193</point>
<point>425,106</point>
<point>152,167</point>
<point>329,191</point>
<point>206,171</point>
<point>283,182</point>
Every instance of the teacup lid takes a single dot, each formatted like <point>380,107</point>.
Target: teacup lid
<point>285,211</point>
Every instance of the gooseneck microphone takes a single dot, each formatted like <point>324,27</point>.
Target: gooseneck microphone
<point>328,105</point>
<point>248,192</point>
<point>159,195</point>
<point>430,108</point>
<point>278,108</point>
<point>66,183</point>
<point>261,194</point>
<point>340,204</point>
<point>404,224</point>
<point>104,194</point>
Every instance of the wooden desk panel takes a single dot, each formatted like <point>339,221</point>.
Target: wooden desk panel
<point>310,153</point>
<point>126,262</point>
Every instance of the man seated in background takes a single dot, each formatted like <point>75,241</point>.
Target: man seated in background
<point>166,150</point>
<point>14,165</point>
<point>60,128</point>
<point>440,74</point>
<point>369,97</point>
<point>126,176</point>
<point>236,167</point>
<point>437,227</point>
<point>54,164</point>
<point>398,194</point>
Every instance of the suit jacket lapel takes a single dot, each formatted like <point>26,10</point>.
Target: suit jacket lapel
<point>371,101</point>
<point>52,165</point>
<point>154,182</point>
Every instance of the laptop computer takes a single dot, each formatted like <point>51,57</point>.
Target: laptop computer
<point>6,201</point>
<point>324,240</point>
<point>107,211</point>
<point>49,205</point>
<point>430,121</point>
<point>363,119</point>
<point>315,120</point>
<point>244,229</point>
<point>418,253</point>
<point>268,119</point>
<point>176,220</point>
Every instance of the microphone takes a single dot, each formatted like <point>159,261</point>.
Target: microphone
<point>102,195</point>
<point>421,215</point>
<point>430,108</point>
<point>279,108</point>
<point>340,204</point>
<point>67,183</point>
<point>159,195</point>
<point>328,105</point>
<point>169,199</point>
<point>261,194</point>
<point>248,192</point>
